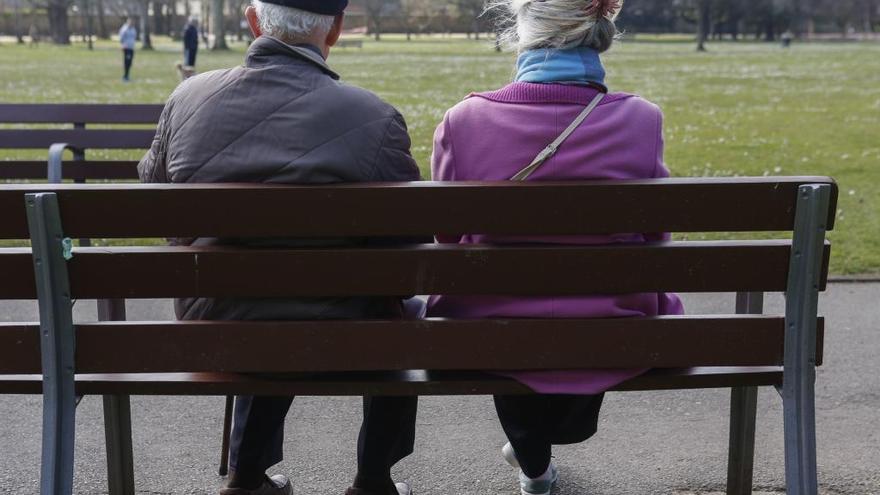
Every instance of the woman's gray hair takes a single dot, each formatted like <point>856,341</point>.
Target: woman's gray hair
<point>532,24</point>
<point>289,24</point>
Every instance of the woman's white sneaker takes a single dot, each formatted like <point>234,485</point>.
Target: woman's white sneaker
<point>541,485</point>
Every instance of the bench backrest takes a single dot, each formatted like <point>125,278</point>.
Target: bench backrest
<point>78,118</point>
<point>803,205</point>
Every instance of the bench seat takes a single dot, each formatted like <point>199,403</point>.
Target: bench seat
<point>418,382</point>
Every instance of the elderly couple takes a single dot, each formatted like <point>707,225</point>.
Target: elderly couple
<point>284,117</point>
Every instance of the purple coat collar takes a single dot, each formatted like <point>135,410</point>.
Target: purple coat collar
<point>523,92</point>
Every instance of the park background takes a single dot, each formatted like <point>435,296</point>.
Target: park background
<point>736,102</point>
<point>744,106</point>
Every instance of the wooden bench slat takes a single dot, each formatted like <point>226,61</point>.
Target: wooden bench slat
<point>17,273</point>
<point>710,266</point>
<point>166,272</point>
<point>406,383</point>
<point>275,347</point>
<point>78,138</point>
<point>69,113</point>
<point>87,170</point>
<point>21,346</point>
<point>423,208</point>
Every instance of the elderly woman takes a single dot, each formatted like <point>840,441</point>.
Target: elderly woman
<point>556,121</point>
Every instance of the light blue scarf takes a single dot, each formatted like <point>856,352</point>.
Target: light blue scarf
<point>573,66</point>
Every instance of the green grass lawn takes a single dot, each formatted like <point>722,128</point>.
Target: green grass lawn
<point>740,109</point>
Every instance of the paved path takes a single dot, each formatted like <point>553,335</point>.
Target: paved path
<point>649,443</point>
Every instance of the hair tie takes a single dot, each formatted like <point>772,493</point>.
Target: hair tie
<point>602,8</point>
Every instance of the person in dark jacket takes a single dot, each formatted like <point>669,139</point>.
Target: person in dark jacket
<point>284,117</point>
<point>190,42</point>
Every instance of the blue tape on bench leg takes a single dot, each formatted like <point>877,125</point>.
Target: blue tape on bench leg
<point>743,410</point>
<point>802,298</point>
<point>57,343</point>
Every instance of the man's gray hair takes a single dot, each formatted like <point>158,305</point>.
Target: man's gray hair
<point>531,24</point>
<point>289,24</point>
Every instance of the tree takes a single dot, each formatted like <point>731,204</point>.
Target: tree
<point>146,41</point>
<point>705,19</point>
<point>87,11</point>
<point>472,10</point>
<point>103,33</point>
<point>16,5</point>
<point>219,23</point>
<point>416,15</point>
<point>59,30</point>
<point>375,10</point>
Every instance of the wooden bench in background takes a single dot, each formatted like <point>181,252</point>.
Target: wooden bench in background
<point>347,43</point>
<point>741,351</point>
<point>79,138</point>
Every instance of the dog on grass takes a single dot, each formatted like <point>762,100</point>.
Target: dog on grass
<point>185,71</point>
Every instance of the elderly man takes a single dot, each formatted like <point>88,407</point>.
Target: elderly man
<point>283,117</point>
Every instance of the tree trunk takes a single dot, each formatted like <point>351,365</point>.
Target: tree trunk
<point>797,19</point>
<point>770,29</point>
<point>87,7</point>
<point>58,22</point>
<point>239,25</point>
<point>170,19</point>
<point>219,26</point>
<point>158,18</point>
<point>18,36</point>
<point>103,33</point>
<point>377,28</point>
<point>705,21</point>
<point>146,41</point>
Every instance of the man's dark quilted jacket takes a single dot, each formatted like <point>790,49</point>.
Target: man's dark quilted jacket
<point>283,117</point>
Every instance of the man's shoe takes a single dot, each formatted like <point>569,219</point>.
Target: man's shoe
<point>276,485</point>
<point>541,485</point>
<point>402,489</point>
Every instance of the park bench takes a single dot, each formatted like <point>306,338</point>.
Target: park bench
<point>78,138</point>
<point>35,127</point>
<point>741,351</point>
<point>349,44</point>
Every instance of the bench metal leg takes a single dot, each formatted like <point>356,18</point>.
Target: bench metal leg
<point>802,298</point>
<point>743,411</point>
<point>741,456</point>
<point>117,432</point>
<point>117,420</point>
<point>227,431</point>
<point>57,341</point>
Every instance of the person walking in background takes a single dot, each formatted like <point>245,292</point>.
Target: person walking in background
<point>499,136</point>
<point>190,42</point>
<point>187,67</point>
<point>127,38</point>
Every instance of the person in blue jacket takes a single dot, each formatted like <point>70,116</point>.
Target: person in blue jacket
<point>127,38</point>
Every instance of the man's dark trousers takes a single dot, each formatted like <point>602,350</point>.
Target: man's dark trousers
<point>189,56</point>
<point>387,433</point>
<point>127,59</point>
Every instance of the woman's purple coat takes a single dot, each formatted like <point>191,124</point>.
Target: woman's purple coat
<point>492,136</point>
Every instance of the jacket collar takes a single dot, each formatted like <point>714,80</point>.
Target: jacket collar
<point>267,49</point>
<point>523,92</point>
